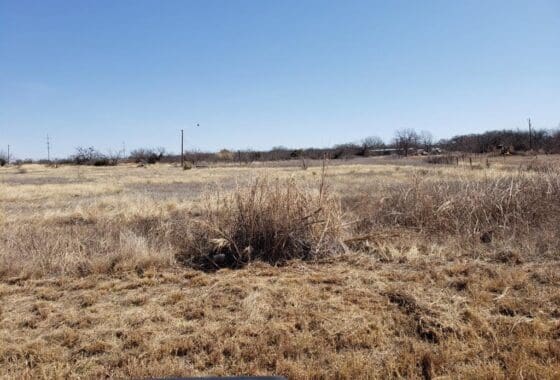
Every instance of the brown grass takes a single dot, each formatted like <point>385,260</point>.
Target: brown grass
<point>272,222</point>
<point>511,204</point>
<point>447,272</point>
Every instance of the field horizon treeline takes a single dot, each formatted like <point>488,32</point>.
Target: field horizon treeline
<point>405,142</point>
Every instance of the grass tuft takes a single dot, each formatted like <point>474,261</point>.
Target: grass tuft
<point>270,221</point>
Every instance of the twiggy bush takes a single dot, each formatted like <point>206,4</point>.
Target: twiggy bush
<point>271,221</point>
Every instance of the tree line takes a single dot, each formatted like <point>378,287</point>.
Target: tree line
<point>405,142</point>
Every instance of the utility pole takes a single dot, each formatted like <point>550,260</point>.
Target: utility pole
<point>8,163</point>
<point>48,149</point>
<point>123,151</point>
<point>182,155</point>
<point>530,134</point>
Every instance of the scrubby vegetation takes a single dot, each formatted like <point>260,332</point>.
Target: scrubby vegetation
<point>147,155</point>
<point>91,156</point>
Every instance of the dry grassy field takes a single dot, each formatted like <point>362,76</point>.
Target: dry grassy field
<point>379,268</point>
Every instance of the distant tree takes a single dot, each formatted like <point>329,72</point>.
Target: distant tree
<point>225,155</point>
<point>278,153</point>
<point>372,142</point>
<point>346,150</point>
<point>517,140</point>
<point>296,153</point>
<point>114,157</point>
<point>426,140</point>
<point>552,144</point>
<point>406,139</point>
<point>3,158</point>
<point>89,156</point>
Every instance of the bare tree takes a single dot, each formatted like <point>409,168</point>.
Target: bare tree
<point>86,156</point>
<point>373,142</point>
<point>406,139</point>
<point>370,143</point>
<point>114,157</point>
<point>426,140</point>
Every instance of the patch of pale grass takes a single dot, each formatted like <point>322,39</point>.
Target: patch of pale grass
<point>25,193</point>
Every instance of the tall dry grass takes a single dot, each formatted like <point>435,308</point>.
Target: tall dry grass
<point>95,239</point>
<point>507,204</point>
<point>271,221</point>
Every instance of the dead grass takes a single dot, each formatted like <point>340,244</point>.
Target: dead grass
<point>447,272</point>
<point>510,205</point>
<point>269,221</point>
<point>348,318</point>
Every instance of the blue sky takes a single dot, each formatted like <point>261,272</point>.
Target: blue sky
<point>257,74</point>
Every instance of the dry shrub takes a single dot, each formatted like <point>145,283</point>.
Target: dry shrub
<point>512,204</point>
<point>271,221</point>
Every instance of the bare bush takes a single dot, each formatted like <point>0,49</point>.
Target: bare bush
<point>147,155</point>
<point>267,221</point>
<point>91,156</point>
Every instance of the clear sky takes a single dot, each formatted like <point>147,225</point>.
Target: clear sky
<point>257,74</point>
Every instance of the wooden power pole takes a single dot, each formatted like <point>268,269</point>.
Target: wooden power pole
<point>182,151</point>
<point>182,155</point>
